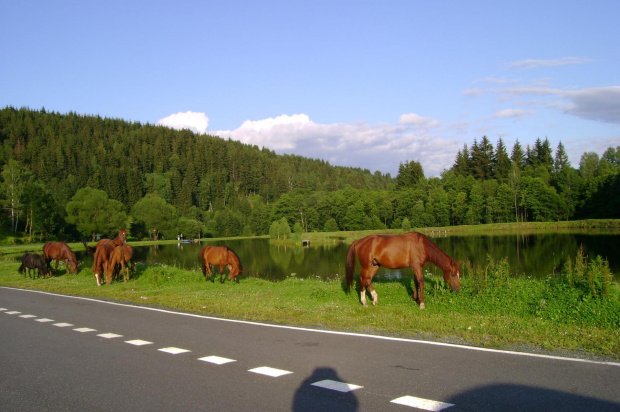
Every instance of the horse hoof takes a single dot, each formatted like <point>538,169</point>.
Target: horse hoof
<point>422,306</point>
<point>374,303</point>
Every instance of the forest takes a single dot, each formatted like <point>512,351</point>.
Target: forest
<point>71,176</point>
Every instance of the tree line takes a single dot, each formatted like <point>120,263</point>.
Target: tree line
<point>72,176</point>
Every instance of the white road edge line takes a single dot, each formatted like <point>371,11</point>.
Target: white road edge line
<point>329,332</point>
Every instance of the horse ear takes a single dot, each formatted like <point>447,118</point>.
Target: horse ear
<point>459,263</point>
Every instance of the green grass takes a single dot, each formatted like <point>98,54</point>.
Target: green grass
<point>493,310</point>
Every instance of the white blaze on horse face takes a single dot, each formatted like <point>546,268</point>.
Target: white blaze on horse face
<point>97,279</point>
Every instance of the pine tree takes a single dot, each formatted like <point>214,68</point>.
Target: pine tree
<point>482,159</point>
<point>518,156</point>
<point>501,162</point>
<point>462,161</point>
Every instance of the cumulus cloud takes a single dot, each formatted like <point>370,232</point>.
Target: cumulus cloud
<point>375,147</point>
<point>279,133</point>
<point>194,121</point>
<point>536,63</point>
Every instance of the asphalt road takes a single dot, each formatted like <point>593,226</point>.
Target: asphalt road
<point>75,354</point>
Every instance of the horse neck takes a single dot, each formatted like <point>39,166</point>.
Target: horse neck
<point>71,256</point>
<point>436,255</point>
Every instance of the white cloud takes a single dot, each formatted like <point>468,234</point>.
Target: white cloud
<point>375,147</point>
<point>536,63</point>
<point>194,121</point>
<point>279,133</point>
<point>414,119</point>
<point>512,113</point>
<point>598,103</point>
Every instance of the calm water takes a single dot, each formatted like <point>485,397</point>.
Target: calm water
<point>534,255</point>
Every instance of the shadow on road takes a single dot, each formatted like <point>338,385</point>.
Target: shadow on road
<point>314,398</point>
<point>507,397</point>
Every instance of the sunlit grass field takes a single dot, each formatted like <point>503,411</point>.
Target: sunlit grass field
<point>563,316</point>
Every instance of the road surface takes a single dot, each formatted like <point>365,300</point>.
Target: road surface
<point>69,353</point>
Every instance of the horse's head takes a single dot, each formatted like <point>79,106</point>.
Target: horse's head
<point>74,267</point>
<point>122,235</point>
<point>452,275</point>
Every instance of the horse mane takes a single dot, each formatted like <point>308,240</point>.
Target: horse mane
<point>435,254</point>
<point>237,256</point>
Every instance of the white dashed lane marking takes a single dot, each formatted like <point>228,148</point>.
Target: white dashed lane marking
<point>138,342</point>
<point>337,386</point>
<point>110,335</point>
<point>411,401</point>
<point>216,359</point>
<point>273,372</point>
<point>85,330</point>
<point>173,350</point>
<point>420,403</point>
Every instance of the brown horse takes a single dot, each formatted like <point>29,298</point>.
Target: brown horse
<point>411,249</point>
<point>123,255</point>
<point>102,261</point>
<point>119,240</point>
<point>57,251</point>
<point>220,256</point>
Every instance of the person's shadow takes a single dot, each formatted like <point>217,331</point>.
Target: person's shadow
<point>309,397</point>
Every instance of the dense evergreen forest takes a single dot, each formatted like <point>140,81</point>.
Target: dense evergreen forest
<point>69,176</point>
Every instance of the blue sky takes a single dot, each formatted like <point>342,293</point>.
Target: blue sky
<point>366,84</point>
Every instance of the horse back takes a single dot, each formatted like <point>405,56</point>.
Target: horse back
<point>104,252</point>
<point>392,251</point>
<point>127,252</point>
<point>219,255</point>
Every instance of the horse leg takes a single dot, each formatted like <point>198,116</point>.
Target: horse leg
<point>67,266</point>
<point>419,284</point>
<point>366,275</point>
<point>370,274</point>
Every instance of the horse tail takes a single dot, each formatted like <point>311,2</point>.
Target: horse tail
<point>350,265</point>
<point>89,249</point>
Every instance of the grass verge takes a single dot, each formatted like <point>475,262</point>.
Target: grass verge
<point>493,310</point>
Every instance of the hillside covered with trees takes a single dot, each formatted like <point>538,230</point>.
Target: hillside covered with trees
<point>69,176</point>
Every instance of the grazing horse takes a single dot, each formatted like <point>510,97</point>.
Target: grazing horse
<point>220,256</point>
<point>119,240</point>
<point>60,250</point>
<point>33,261</point>
<point>123,255</point>
<point>102,260</point>
<point>411,249</point>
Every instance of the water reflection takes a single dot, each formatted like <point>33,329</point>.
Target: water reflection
<point>535,255</point>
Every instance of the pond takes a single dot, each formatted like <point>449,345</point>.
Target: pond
<point>535,255</point>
